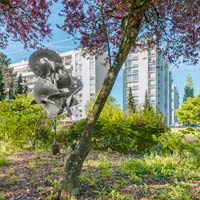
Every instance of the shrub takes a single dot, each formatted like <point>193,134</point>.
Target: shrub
<point>183,141</point>
<point>134,133</point>
<point>145,127</point>
<point>23,125</point>
<point>115,135</point>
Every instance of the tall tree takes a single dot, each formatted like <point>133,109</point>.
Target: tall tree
<point>4,62</point>
<point>9,77</point>
<point>2,90</point>
<point>10,82</point>
<point>112,26</point>
<point>189,88</point>
<point>116,27</point>
<point>189,112</point>
<point>131,104</point>
<point>20,87</point>
<point>146,105</point>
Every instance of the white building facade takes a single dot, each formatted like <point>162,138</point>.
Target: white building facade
<point>175,103</point>
<point>91,70</point>
<point>148,72</point>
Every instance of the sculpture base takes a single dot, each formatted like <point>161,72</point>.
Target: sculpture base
<point>55,149</point>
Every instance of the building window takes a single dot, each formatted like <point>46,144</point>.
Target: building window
<point>152,75</point>
<point>131,70</point>
<point>135,77</point>
<point>152,83</point>
<point>152,68</point>
<point>92,87</point>
<point>152,90</point>
<point>128,70</point>
<point>129,78</point>
<point>133,86</point>
<point>128,63</point>
<point>78,56</point>
<point>91,78</point>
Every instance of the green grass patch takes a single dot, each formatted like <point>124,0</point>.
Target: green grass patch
<point>168,168</point>
<point>3,161</point>
<point>10,181</point>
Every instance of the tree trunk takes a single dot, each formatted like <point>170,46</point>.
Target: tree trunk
<point>73,165</point>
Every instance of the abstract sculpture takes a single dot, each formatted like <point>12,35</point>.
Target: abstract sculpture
<point>54,88</point>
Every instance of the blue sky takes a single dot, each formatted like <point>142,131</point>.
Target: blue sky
<point>61,42</point>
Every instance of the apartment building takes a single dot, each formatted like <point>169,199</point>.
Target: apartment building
<point>91,70</point>
<point>175,103</point>
<point>148,72</point>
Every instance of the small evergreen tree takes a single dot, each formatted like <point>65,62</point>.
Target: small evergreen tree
<point>4,62</point>
<point>2,91</point>
<point>19,88</point>
<point>147,107</point>
<point>189,88</point>
<point>7,78</point>
<point>131,104</point>
<point>25,88</point>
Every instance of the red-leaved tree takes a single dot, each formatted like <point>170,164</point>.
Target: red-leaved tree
<point>24,21</point>
<point>117,27</point>
<point>114,27</point>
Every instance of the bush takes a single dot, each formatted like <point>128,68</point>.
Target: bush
<point>115,135</point>
<point>134,133</point>
<point>183,141</point>
<point>23,125</point>
<point>145,127</point>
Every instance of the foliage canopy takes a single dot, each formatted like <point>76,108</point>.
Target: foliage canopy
<point>189,112</point>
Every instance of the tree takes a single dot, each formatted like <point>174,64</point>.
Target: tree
<point>147,107</point>
<point>110,111</point>
<point>4,62</point>
<point>24,21</point>
<point>2,91</point>
<point>189,88</point>
<point>9,82</point>
<point>189,112</point>
<point>131,103</point>
<point>19,88</point>
<point>112,26</point>
<point>117,27</point>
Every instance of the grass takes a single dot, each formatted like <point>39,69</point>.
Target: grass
<point>114,176</point>
<point>150,176</point>
<point>10,181</point>
<point>172,174</point>
<point>3,161</point>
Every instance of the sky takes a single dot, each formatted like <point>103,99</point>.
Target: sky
<point>61,42</point>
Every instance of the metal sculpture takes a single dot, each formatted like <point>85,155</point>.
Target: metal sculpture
<point>54,88</point>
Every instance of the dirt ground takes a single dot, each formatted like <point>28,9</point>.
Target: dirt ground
<point>37,176</point>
